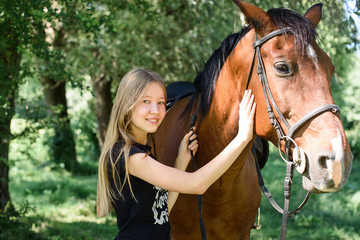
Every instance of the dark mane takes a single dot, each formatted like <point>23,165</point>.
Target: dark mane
<point>302,28</point>
<point>205,81</point>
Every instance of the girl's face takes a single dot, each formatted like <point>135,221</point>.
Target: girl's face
<point>149,112</point>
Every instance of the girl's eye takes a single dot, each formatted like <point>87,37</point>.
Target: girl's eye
<point>146,101</point>
<point>161,103</point>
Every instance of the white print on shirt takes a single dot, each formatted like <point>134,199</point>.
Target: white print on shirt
<point>160,206</point>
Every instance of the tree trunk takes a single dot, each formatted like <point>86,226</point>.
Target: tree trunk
<point>103,104</point>
<point>5,137</point>
<point>10,62</point>
<point>4,167</point>
<point>62,144</point>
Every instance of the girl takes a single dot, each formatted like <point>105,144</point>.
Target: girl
<point>131,181</point>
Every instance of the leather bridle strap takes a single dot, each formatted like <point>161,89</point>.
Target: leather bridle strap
<point>270,198</point>
<point>265,84</point>
<point>199,196</point>
<point>324,108</point>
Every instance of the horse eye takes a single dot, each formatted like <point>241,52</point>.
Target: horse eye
<point>282,68</point>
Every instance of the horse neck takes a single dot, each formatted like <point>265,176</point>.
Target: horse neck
<point>220,125</point>
<point>222,117</point>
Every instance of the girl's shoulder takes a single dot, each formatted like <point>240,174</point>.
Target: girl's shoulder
<point>135,148</point>
<point>139,148</point>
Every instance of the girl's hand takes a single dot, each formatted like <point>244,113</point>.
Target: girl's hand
<point>246,117</point>
<point>184,155</point>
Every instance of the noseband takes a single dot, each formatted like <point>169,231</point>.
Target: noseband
<point>294,161</point>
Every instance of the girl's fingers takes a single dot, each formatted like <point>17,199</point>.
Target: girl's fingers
<point>192,137</point>
<point>251,103</point>
<point>252,112</point>
<point>253,109</point>
<point>188,136</point>
<point>193,145</point>
<point>247,102</point>
<point>246,97</point>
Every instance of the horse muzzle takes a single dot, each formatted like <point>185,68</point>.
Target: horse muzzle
<point>327,172</point>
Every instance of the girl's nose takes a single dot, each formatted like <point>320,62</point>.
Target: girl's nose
<point>154,108</point>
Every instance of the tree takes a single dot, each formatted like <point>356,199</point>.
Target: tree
<point>16,34</point>
<point>10,65</point>
<point>58,23</point>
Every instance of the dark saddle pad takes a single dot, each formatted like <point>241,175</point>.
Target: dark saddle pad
<point>178,90</point>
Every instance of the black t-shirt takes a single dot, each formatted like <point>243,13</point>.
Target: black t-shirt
<point>147,217</point>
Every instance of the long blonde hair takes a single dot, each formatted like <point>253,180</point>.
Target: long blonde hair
<point>130,90</point>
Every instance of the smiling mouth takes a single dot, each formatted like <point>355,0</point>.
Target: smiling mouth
<point>152,121</point>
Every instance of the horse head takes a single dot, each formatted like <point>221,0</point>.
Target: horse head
<point>298,72</point>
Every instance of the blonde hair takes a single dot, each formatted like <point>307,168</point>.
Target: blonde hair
<point>130,90</point>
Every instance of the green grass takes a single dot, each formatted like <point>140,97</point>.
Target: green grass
<point>65,204</point>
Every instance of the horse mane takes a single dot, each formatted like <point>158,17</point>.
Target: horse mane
<point>205,81</point>
<point>302,28</point>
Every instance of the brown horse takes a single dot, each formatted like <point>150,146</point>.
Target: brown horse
<point>299,74</point>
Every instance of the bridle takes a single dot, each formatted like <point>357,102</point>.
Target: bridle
<point>298,159</point>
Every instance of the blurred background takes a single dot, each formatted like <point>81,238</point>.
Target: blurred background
<point>60,64</point>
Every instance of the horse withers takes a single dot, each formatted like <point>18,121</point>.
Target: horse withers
<point>298,76</point>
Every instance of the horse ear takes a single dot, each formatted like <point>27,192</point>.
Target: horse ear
<point>255,17</point>
<point>314,14</point>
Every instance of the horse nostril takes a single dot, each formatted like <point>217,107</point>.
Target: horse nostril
<point>322,161</point>
<point>325,159</point>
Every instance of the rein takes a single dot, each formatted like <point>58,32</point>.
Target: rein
<point>199,197</point>
<point>298,159</point>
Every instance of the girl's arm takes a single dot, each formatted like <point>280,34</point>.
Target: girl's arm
<point>197,182</point>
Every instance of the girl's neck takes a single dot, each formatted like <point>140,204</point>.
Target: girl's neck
<point>140,137</point>
<point>142,140</point>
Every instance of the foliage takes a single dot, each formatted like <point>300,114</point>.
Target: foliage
<point>65,203</point>
<point>164,36</point>
<point>344,95</point>
<point>17,224</point>
<point>16,35</point>
<point>85,125</point>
